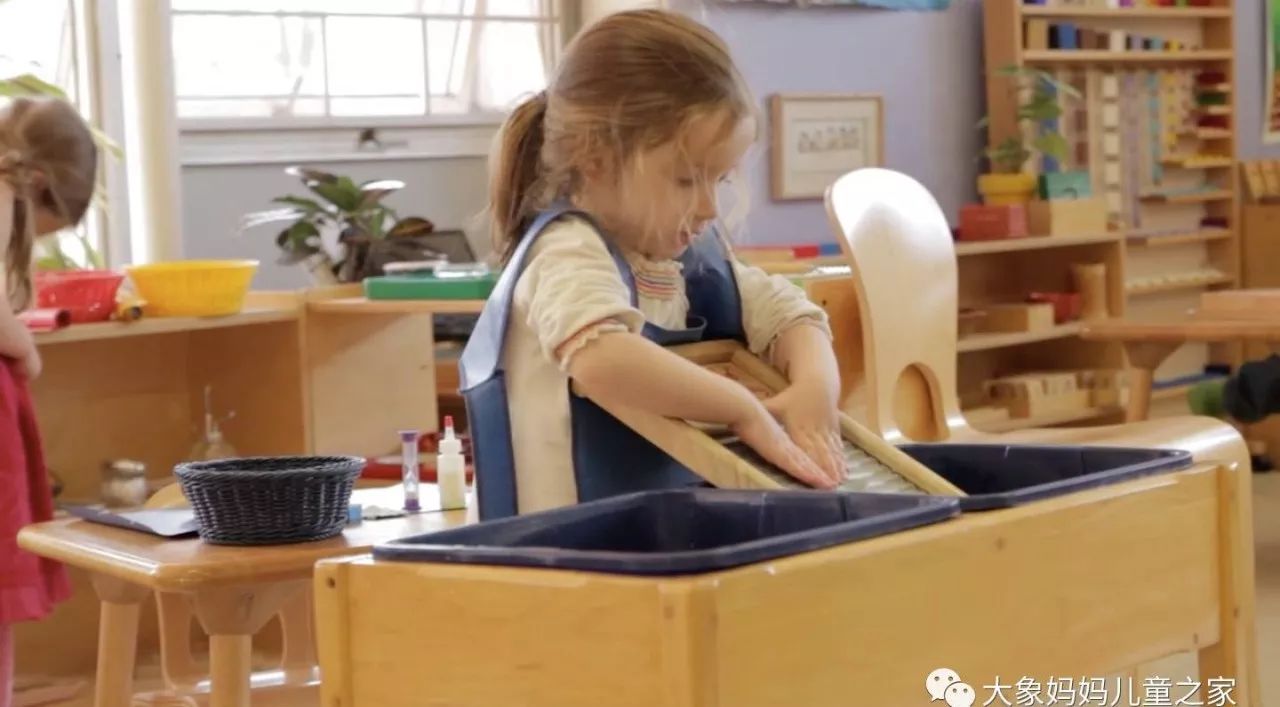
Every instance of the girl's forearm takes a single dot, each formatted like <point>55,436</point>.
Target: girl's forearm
<point>804,355</point>
<point>628,369</point>
<point>15,340</point>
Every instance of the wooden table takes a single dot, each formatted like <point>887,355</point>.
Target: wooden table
<point>1148,344</point>
<point>234,590</point>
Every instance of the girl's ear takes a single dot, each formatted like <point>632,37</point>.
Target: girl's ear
<point>37,180</point>
<point>600,170</point>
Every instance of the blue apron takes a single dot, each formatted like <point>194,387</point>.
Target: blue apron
<point>608,457</point>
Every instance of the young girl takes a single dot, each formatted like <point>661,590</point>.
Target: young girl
<point>48,163</point>
<point>603,196</point>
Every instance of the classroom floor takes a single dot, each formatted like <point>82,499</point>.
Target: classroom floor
<point>1267,541</point>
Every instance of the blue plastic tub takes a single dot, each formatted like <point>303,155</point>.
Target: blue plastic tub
<point>672,532</point>
<point>1001,476</point>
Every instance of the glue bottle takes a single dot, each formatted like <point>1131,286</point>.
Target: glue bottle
<point>451,469</point>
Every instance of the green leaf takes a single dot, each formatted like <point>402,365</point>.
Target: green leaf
<point>29,85</point>
<point>1009,156</point>
<point>261,218</point>
<point>309,206</point>
<point>1053,145</point>
<point>343,193</point>
<point>373,192</point>
<point>296,239</point>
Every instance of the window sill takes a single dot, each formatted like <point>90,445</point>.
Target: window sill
<point>207,147</point>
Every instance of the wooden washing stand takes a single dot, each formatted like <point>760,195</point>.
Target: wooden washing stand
<point>1090,583</point>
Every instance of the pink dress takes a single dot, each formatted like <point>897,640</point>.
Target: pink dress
<point>30,586</point>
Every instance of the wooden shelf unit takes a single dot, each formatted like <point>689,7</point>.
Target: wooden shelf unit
<point>1174,216</point>
<point>303,372</point>
<point>1133,56</point>
<point>1168,13</point>
<point>1034,243</point>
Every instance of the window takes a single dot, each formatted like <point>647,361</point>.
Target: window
<point>276,63</point>
<point>48,39</point>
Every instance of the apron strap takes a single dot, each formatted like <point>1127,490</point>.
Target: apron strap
<point>479,362</point>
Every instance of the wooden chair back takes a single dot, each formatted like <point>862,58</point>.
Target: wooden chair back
<point>900,247</point>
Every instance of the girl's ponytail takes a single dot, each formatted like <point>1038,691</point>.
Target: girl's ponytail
<point>514,173</point>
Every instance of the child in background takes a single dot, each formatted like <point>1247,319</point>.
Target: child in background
<point>48,163</point>
<point>604,201</point>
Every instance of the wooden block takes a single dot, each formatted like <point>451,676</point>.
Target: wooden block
<point>1037,394</point>
<point>980,417</point>
<point>1016,317</point>
<point>1069,36</point>
<point>1037,34</point>
<point>1067,217</point>
<point>1260,245</point>
<point>1240,304</point>
<point>1110,86</point>
<point>1252,172</point>
<point>1088,38</point>
<point>1117,40</point>
<point>1270,178</point>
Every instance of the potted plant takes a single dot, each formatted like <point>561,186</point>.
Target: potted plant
<point>343,232</point>
<point>1008,182</point>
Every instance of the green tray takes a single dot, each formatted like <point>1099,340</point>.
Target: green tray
<point>425,286</point>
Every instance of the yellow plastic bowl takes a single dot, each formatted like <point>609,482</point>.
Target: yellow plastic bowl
<point>193,288</point>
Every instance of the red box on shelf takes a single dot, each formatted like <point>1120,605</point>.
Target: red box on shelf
<point>981,222</point>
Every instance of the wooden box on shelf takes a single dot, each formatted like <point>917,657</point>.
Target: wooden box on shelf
<point>1016,317</point>
<point>1036,394</point>
<point>1068,217</point>
<point>1105,386</point>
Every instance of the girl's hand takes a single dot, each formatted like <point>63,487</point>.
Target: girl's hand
<point>762,433</point>
<point>31,365</point>
<point>811,419</point>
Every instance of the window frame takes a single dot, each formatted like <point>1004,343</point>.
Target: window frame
<point>237,140</point>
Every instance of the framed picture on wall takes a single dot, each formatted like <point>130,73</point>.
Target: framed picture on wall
<point>818,137</point>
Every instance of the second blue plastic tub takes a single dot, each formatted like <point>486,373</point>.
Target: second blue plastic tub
<point>1001,476</point>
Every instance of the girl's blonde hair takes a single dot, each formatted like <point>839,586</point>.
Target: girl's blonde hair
<point>629,82</point>
<point>49,158</point>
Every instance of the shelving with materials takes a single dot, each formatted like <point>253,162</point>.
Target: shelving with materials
<point>301,374</point>
<point>1183,184</point>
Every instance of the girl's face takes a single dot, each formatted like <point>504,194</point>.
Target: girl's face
<point>668,195</point>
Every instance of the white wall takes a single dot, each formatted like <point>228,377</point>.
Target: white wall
<point>448,191</point>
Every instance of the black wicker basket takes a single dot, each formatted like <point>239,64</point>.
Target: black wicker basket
<point>269,500</point>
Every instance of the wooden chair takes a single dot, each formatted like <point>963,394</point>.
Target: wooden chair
<point>181,671</point>
<point>900,247</point>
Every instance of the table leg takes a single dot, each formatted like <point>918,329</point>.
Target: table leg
<point>117,640</point>
<point>230,668</point>
<point>231,615</point>
<point>298,659</point>
<point>1144,358</point>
